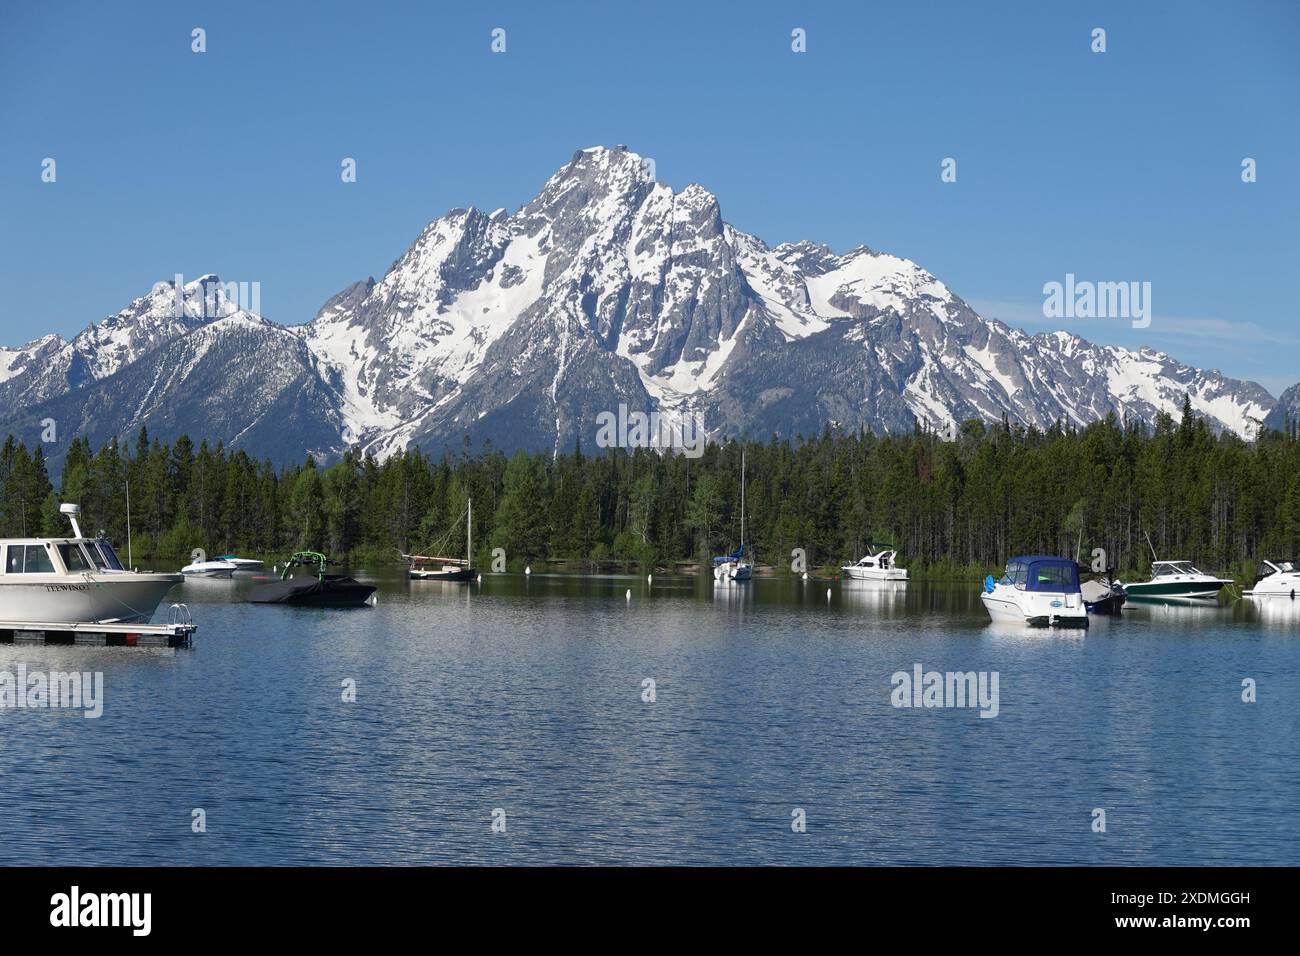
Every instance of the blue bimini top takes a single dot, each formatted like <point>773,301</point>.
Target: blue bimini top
<point>1040,572</point>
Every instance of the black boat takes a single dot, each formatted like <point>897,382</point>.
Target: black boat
<point>320,590</point>
<point>1103,596</point>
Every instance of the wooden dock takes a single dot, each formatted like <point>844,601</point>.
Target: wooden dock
<point>176,633</point>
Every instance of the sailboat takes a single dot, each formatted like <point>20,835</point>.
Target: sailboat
<point>425,568</point>
<point>734,567</point>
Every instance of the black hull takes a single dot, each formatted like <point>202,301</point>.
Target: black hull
<point>1111,605</point>
<point>331,591</point>
<point>463,575</point>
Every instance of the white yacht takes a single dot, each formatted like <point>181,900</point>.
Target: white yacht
<point>75,580</point>
<point>1039,590</point>
<point>878,564</point>
<point>1276,579</point>
<point>210,569</point>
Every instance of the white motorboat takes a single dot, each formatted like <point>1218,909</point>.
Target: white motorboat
<point>1177,581</point>
<point>735,567</point>
<point>1276,578</point>
<point>75,580</point>
<point>210,569</point>
<point>243,564</point>
<point>878,564</point>
<point>1039,590</point>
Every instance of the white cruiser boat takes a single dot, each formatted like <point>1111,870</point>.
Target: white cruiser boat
<point>1177,581</point>
<point>210,569</point>
<point>878,564</point>
<point>734,567</point>
<point>1277,579</point>
<point>1039,590</point>
<point>243,564</point>
<point>75,580</point>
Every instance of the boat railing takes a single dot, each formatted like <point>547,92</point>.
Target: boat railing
<point>424,558</point>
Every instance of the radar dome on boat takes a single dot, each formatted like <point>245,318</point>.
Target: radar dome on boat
<point>71,510</point>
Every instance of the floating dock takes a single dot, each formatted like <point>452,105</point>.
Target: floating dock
<point>177,632</point>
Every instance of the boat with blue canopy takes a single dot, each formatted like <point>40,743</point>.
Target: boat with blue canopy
<point>1037,589</point>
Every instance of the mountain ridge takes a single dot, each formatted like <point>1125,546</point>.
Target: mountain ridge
<point>606,288</point>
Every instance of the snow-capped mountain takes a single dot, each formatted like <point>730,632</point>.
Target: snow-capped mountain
<point>50,367</point>
<point>177,360</point>
<point>239,379</point>
<point>608,288</point>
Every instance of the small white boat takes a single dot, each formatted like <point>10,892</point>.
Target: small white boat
<point>734,568</point>
<point>1038,590</point>
<point>1177,581</point>
<point>243,564</point>
<point>878,564</point>
<point>1276,579</point>
<point>210,569</point>
<point>75,580</point>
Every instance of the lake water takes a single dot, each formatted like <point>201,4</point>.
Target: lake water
<point>525,695</point>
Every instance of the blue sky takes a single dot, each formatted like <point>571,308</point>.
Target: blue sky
<point>1116,166</point>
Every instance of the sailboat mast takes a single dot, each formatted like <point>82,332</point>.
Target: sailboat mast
<point>742,501</point>
<point>469,534</point>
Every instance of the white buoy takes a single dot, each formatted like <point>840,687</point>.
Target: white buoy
<point>805,575</point>
<point>649,579</point>
<point>629,595</point>
<point>528,569</point>
<point>828,594</point>
<point>480,579</point>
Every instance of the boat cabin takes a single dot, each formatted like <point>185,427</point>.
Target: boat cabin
<point>1042,573</point>
<point>877,556</point>
<point>58,556</point>
<point>1272,566</point>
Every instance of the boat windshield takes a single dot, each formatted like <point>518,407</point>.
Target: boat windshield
<point>1166,569</point>
<point>74,559</point>
<point>110,556</point>
<point>1017,574</point>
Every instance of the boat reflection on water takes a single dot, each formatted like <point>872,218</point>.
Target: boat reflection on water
<point>873,595</point>
<point>1187,612</point>
<point>725,589</point>
<point>1276,610</point>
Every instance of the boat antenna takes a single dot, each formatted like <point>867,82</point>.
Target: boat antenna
<point>128,523</point>
<point>1078,548</point>
<point>1154,557</point>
